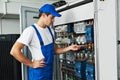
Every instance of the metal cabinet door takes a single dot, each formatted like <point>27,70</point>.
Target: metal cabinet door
<point>27,18</point>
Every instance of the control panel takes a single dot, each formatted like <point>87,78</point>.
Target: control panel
<point>76,65</point>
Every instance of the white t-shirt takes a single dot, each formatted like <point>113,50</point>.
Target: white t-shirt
<point>30,39</point>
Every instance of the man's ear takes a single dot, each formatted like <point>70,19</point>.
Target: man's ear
<point>43,14</point>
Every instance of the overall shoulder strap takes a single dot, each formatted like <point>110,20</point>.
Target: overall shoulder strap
<point>39,36</point>
<point>51,33</point>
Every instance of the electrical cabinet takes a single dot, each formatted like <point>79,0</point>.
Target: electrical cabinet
<point>76,65</point>
<point>89,23</point>
<point>76,29</point>
<point>103,31</point>
<point>10,69</point>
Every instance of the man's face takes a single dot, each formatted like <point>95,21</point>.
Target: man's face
<point>49,19</point>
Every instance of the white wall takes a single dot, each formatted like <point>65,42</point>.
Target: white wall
<point>1,7</point>
<point>9,26</point>
<point>11,8</point>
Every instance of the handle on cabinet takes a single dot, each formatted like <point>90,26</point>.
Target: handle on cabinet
<point>118,42</point>
<point>102,0</point>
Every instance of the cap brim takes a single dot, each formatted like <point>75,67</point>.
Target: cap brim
<point>56,14</point>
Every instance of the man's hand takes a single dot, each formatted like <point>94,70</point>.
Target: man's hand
<point>38,63</point>
<point>74,47</point>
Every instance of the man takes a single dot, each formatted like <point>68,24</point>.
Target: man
<point>40,40</point>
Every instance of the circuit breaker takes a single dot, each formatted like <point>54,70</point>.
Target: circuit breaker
<point>76,65</point>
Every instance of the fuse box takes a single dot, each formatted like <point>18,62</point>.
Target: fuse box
<point>76,65</point>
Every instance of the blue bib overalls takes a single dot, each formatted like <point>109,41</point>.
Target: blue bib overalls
<point>44,73</point>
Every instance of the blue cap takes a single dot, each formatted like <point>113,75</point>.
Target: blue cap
<point>50,9</point>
